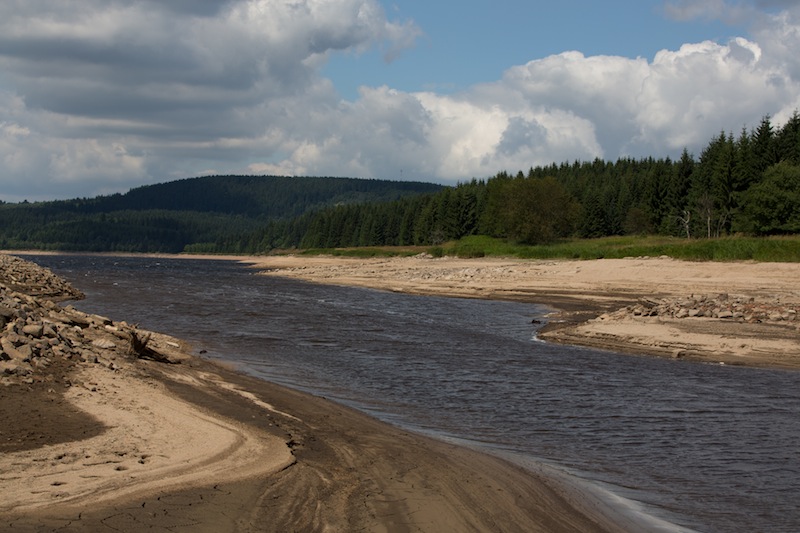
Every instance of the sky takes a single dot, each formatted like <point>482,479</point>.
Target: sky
<point>99,96</point>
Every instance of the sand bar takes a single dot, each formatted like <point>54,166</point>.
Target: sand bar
<point>617,304</point>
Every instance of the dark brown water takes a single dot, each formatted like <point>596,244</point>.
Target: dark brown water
<point>693,446</point>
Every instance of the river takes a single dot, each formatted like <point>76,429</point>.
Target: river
<point>692,446</point>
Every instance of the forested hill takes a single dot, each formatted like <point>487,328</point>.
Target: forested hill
<point>167,217</point>
<point>265,197</point>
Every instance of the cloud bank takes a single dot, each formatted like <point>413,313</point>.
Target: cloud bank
<point>102,95</point>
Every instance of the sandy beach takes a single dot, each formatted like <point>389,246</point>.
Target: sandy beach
<point>98,439</point>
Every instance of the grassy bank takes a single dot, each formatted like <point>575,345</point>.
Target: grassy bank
<point>765,249</point>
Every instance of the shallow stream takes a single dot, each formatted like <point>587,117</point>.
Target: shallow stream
<point>699,446</point>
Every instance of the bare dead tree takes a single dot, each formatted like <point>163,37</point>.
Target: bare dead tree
<point>685,220</point>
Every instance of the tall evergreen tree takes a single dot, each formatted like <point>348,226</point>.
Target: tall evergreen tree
<point>788,140</point>
<point>658,179</point>
<point>765,149</point>
<point>678,195</point>
<point>724,186</point>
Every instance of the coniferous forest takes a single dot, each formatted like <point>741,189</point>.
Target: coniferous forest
<point>740,184</point>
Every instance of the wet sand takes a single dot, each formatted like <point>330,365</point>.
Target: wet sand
<point>197,447</point>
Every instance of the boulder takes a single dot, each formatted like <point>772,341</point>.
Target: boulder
<point>33,330</point>
<point>12,352</point>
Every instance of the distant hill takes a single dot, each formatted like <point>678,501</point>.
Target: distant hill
<point>258,196</point>
<point>168,217</point>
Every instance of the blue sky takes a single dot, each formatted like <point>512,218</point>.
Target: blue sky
<point>99,96</point>
<point>477,41</point>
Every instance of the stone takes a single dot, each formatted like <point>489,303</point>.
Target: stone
<point>33,330</point>
<point>9,367</point>
<point>11,351</point>
<point>19,368</point>
<point>101,320</point>
<point>105,344</point>
<point>27,352</point>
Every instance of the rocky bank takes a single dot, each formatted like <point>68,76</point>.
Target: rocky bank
<point>36,331</point>
<point>723,306</point>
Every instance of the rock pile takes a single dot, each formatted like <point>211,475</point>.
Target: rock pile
<point>722,306</point>
<point>35,331</point>
<point>29,278</point>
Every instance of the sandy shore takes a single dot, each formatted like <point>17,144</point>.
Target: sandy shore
<point>197,447</point>
<point>734,313</point>
<point>95,438</point>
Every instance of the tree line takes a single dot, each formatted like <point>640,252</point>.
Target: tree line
<point>745,184</point>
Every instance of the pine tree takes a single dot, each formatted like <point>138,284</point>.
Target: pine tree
<point>788,140</point>
<point>765,150</point>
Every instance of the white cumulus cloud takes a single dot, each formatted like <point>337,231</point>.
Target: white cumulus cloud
<point>102,95</point>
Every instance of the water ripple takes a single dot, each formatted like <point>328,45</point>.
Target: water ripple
<point>708,447</point>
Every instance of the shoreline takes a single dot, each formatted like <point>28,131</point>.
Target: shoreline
<point>606,304</point>
<point>723,313</point>
<point>113,440</point>
<point>334,467</point>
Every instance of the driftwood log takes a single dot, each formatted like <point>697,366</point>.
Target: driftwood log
<point>140,349</point>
